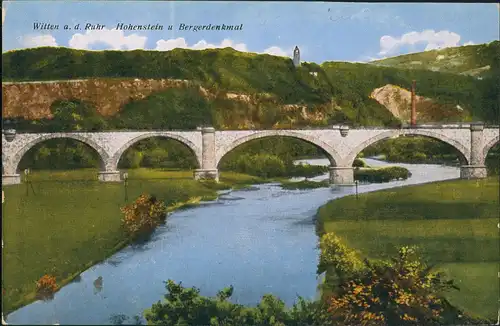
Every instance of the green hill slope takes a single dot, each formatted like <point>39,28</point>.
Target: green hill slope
<point>481,60</point>
<point>272,92</point>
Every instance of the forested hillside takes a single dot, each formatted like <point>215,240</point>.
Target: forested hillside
<point>481,60</point>
<point>222,87</point>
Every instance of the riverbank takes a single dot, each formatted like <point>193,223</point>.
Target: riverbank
<point>453,223</point>
<point>69,225</point>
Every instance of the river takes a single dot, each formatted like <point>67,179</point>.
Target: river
<point>260,241</point>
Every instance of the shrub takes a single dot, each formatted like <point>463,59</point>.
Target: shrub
<point>419,157</point>
<point>185,306</point>
<point>271,166</point>
<point>260,165</point>
<point>398,292</point>
<point>359,163</point>
<point>46,286</point>
<point>334,254</point>
<point>143,215</point>
<point>401,292</point>
<point>382,175</point>
<point>306,170</point>
<point>305,184</point>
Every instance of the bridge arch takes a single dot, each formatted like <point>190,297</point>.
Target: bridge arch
<point>13,162</point>
<point>331,153</point>
<point>194,149</point>
<point>488,146</point>
<point>461,149</point>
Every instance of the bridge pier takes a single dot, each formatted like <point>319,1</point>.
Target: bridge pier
<point>476,169</point>
<point>473,172</point>
<point>11,179</point>
<point>201,174</point>
<point>110,176</point>
<point>208,168</point>
<point>342,175</point>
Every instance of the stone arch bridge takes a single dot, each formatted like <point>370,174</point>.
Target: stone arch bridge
<point>341,144</point>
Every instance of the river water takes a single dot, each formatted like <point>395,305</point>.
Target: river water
<point>260,241</point>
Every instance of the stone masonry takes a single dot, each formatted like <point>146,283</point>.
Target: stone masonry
<point>341,144</point>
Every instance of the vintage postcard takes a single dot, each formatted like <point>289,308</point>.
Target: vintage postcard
<point>250,163</point>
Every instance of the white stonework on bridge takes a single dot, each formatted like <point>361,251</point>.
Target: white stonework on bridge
<point>340,144</point>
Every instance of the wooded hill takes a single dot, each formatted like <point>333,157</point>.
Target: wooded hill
<point>481,60</point>
<point>225,88</point>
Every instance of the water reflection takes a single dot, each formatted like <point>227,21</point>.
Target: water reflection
<point>259,241</point>
<point>98,285</point>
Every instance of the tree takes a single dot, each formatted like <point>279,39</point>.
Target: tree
<point>404,291</point>
<point>143,216</point>
<point>185,306</point>
<point>75,115</point>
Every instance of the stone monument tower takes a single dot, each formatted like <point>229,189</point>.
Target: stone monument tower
<point>296,57</point>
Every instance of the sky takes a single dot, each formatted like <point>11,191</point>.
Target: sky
<point>324,31</point>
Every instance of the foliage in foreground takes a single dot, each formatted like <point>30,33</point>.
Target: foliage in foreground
<point>185,306</point>
<point>143,215</point>
<point>403,291</point>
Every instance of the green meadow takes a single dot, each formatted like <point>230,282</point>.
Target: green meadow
<point>73,221</point>
<point>454,224</point>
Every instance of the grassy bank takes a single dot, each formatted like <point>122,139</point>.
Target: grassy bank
<point>453,223</point>
<point>70,224</point>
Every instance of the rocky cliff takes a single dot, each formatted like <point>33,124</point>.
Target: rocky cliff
<point>398,101</point>
<point>32,100</point>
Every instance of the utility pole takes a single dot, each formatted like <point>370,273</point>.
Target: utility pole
<point>413,121</point>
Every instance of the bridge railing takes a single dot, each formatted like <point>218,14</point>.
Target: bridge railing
<point>334,127</point>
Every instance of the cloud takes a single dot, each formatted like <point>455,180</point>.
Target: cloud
<point>114,39</point>
<point>433,40</point>
<point>469,43</point>
<point>180,42</point>
<point>33,41</point>
<point>4,11</point>
<point>277,51</point>
<point>370,59</point>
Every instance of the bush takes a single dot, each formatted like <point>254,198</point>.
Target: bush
<point>334,254</point>
<point>157,157</point>
<point>185,306</point>
<point>413,149</point>
<point>401,292</point>
<point>305,184</point>
<point>143,216</point>
<point>260,165</point>
<point>272,166</point>
<point>382,175</point>
<point>306,170</point>
<point>419,157</point>
<point>46,286</point>
<point>358,163</point>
